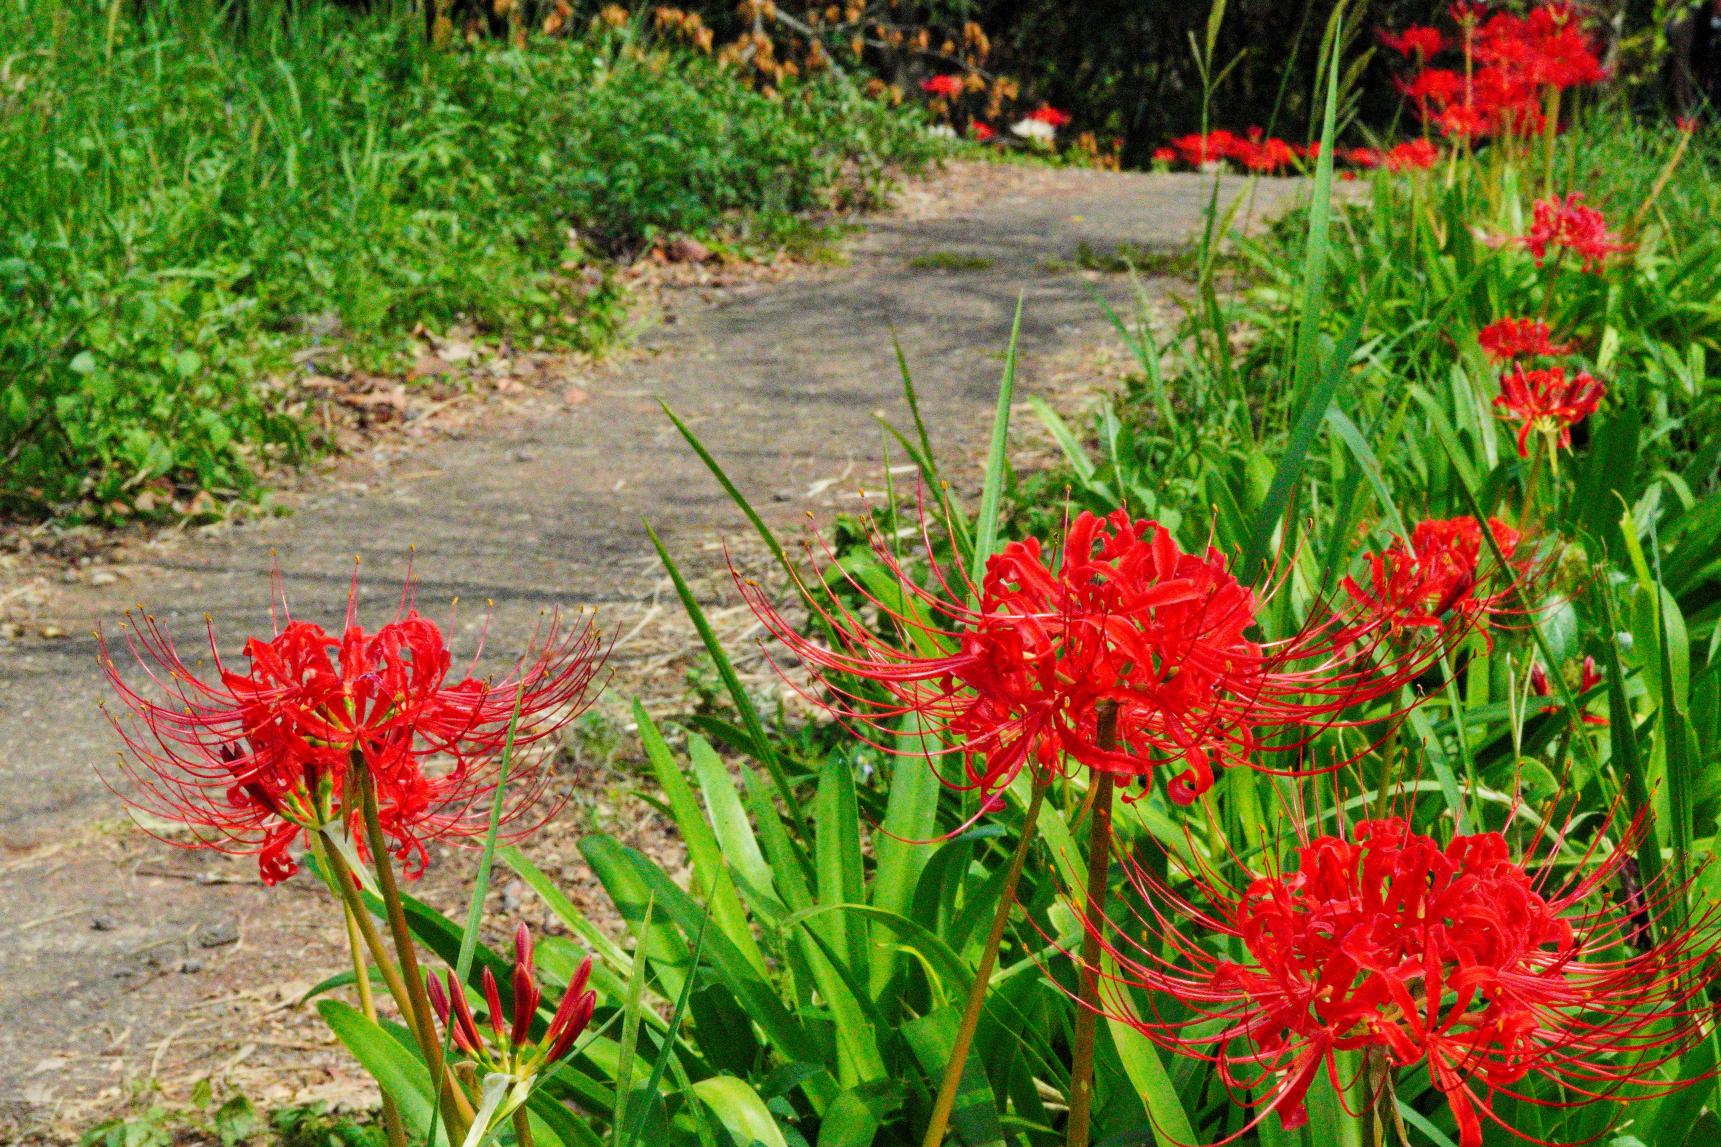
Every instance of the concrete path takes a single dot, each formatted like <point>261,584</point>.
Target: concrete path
<point>128,960</point>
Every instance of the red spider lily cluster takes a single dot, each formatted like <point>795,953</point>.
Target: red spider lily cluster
<point>1562,225</point>
<point>251,757</point>
<point>1271,156</point>
<point>1048,115</point>
<point>1440,579</point>
<point>1545,400</point>
<point>1511,66</point>
<point>1023,670</point>
<point>508,1047</point>
<point>946,86</point>
<point>1253,151</point>
<point>1484,969</point>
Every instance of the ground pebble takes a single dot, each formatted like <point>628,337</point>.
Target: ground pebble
<point>215,935</point>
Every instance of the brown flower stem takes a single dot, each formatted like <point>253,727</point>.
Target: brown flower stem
<point>522,1127</point>
<point>455,1106</point>
<point>946,1101</point>
<point>346,886</point>
<point>1093,912</point>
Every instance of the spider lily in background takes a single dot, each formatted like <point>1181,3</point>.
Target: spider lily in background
<point>1440,579</point>
<point>1569,225</point>
<point>503,1048</point>
<point>1125,655</point>
<point>1505,340</point>
<point>1484,969</point>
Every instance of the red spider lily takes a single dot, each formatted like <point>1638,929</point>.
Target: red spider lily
<point>1547,45</point>
<point>1467,13</point>
<point>1263,155</point>
<point>1570,225</point>
<point>1197,149</point>
<point>1433,86</point>
<point>981,131</point>
<point>1165,155</point>
<point>1488,971</point>
<point>1506,339</point>
<point>947,86</point>
<point>1547,401</point>
<point>1418,41</point>
<point>1047,114</point>
<point>248,760</point>
<point>1462,120</point>
<point>1124,622</point>
<point>1588,678</point>
<point>1511,63</point>
<point>1412,155</point>
<point>1439,579</point>
<point>508,1047</point>
<point>1363,156</point>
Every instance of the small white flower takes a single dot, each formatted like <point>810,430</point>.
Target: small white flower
<point>941,131</point>
<point>1033,129</point>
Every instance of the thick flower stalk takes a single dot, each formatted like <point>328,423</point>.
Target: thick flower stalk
<point>1497,975</point>
<point>1546,401</point>
<point>251,757</point>
<point>503,1047</point>
<point>1017,672</point>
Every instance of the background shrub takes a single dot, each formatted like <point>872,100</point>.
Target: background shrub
<point>188,199</point>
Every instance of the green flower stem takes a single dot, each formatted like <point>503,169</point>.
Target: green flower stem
<point>983,975</point>
<point>1093,912</point>
<point>341,875</point>
<point>361,933</point>
<point>367,1004</point>
<point>455,1105</point>
<point>346,887</point>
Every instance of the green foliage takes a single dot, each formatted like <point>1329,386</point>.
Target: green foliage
<point>950,261</point>
<point>314,1126</point>
<point>188,202</point>
<point>1371,375</point>
<point>235,1122</point>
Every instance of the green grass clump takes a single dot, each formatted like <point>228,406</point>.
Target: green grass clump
<point>1131,258</point>
<point>950,261</point>
<point>189,198</point>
